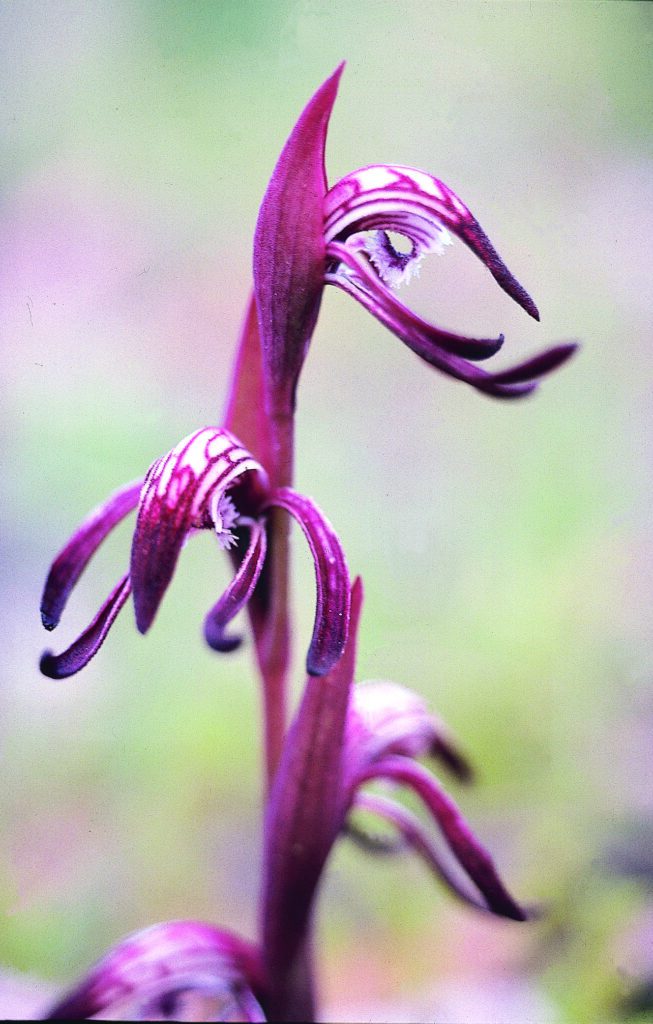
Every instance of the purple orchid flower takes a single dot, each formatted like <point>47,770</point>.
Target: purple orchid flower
<point>343,738</point>
<point>152,975</point>
<point>388,727</point>
<point>208,481</point>
<point>308,235</point>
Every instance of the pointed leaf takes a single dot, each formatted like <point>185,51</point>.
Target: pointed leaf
<point>289,247</point>
<point>245,413</point>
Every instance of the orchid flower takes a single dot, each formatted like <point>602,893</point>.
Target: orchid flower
<point>208,481</point>
<point>343,738</point>
<point>309,235</point>
<point>153,973</point>
<point>388,727</point>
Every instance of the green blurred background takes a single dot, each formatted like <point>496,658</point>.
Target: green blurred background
<point>505,548</point>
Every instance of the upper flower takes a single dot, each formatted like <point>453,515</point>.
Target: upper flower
<point>208,481</point>
<point>308,236</point>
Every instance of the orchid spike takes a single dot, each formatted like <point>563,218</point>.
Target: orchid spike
<point>208,481</point>
<point>150,974</point>
<point>289,248</point>
<point>309,235</point>
<point>342,738</point>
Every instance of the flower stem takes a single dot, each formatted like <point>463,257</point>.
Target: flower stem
<point>274,645</point>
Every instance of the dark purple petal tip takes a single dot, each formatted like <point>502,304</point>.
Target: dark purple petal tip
<point>331,577</point>
<point>75,556</point>
<point>59,666</point>
<point>237,593</point>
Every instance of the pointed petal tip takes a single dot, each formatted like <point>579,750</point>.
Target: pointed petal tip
<point>49,622</point>
<point>523,299</point>
<point>86,646</point>
<point>146,605</point>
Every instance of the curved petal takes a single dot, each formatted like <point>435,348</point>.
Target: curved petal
<point>237,593</point>
<point>59,666</point>
<point>154,965</point>
<point>331,577</point>
<point>412,834</point>
<point>365,286</point>
<point>469,852</point>
<point>386,718</point>
<point>414,203</point>
<point>73,559</point>
<point>289,246</point>
<point>425,339</point>
<point>175,499</point>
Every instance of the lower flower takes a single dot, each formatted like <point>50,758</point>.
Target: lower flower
<point>209,481</point>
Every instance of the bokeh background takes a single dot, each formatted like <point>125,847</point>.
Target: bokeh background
<point>506,548</point>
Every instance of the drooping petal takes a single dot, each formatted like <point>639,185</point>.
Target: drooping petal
<point>331,577</point>
<point>59,666</point>
<point>304,815</point>
<point>355,276</point>
<point>175,500</point>
<point>75,556</point>
<point>417,205</point>
<point>154,965</point>
<point>289,246</point>
<point>386,718</point>
<point>443,351</point>
<point>467,849</point>
<point>413,835</point>
<point>237,593</point>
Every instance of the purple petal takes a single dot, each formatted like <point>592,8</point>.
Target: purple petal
<point>538,365</point>
<point>59,666</point>
<point>331,577</point>
<point>289,246</point>
<point>237,593</point>
<point>162,961</point>
<point>469,852</point>
<point>429,342</point>
<point>413,835</point>
<point>364,285</point>
<point>73,559</point>
<point>385,718</point>
<point>305,813</point>
<point>175,500</point>
<point>417,205</point>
